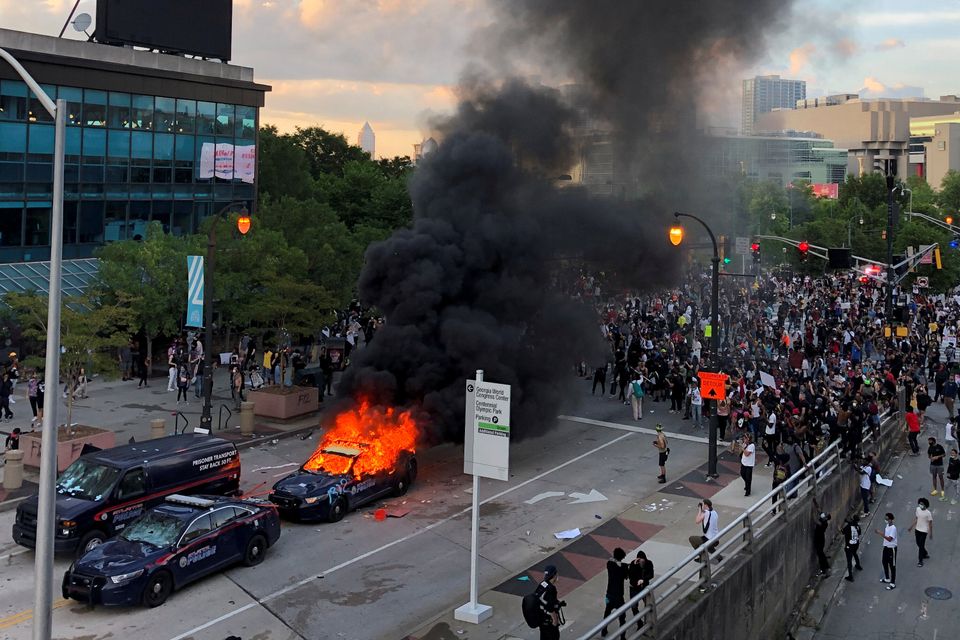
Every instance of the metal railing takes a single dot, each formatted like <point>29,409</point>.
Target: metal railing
<point>221,423</point>
<point>176,422</point>
<point>694,574</point>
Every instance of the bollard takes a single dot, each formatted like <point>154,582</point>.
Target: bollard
<point>246,418</point>
<point>13,470</point>
<point>158,427</point>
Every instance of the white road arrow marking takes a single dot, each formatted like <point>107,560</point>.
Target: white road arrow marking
<point>593,496</point>
<point>543,496</point>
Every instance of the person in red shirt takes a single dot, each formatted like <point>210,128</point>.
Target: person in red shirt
<point>913,429</point>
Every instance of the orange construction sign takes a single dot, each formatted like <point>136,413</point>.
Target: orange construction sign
<point>712,385</point>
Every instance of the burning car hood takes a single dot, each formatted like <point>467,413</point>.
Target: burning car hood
<point>305,484</point>
<point>117,556</point>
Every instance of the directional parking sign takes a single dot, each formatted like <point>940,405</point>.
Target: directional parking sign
<point>486,450</point>
<point>712,385</point>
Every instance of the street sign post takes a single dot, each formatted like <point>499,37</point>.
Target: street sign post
<point>712,385</point>
<point>486,452</point>
<point>743,246</point>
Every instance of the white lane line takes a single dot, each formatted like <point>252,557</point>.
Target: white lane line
<point>14,554</point>
<point>627,427</point>
<point>364,556</point>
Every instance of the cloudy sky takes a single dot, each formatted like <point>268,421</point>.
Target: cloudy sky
<point>337,63</point>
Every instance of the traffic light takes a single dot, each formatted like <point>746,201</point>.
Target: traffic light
<point>755,252</point>
<point>804,248</point>
<point>948,219</point>
<point>726,249</point>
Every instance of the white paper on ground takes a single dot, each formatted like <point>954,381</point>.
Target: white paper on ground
<point>569,534</point>
<point>887,482</point>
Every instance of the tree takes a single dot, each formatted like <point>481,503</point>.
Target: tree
<point>870,189</point>
<point>151,277</point>
<point>283,170</point>
<point>924,196</point>
<point>327,153</point>
<point>91,332</point>
<point>949,196</point>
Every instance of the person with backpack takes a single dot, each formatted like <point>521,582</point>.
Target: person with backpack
<point>639,577</point>
<point>613,598</point>
<point>542,608</point>
<point>851,546</point>
<point>636,396</point>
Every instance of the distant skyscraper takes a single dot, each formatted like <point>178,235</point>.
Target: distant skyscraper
<point>367,139</point>
<point>763,94</point>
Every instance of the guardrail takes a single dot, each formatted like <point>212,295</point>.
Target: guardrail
<point>694,574</point>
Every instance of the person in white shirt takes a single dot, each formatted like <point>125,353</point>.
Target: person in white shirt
<point>696,405</point>
<point>923,523</point>
<point>889,535</point>
<point>748,460</point>
<point>709,522</point>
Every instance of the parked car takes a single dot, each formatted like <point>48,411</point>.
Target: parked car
<point>102,492</point>
<point>170,545</point>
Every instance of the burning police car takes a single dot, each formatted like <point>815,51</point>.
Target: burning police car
<point>339,477</point>
<point>174,543</point>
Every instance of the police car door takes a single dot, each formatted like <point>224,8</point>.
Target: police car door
<point>197,552</point>
<point>229,536</point>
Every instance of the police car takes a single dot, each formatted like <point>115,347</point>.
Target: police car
<point>174,543</point>
<point>308,495</point>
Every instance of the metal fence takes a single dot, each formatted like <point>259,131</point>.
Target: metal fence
<point>694,574</point>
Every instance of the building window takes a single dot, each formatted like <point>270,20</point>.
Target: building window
<point>69,222</point>
<point>74,98</point>
<point>186,113</point>
<point>206,116</point>
<point>94,146</point>
<point>182,218</point>
<point>161,213</point>
<point>115,221</point>
<point>139,219</point>
<point>94,108</point>
<point>13,147</point>
<point>142,117</point>
<point>38,227</point>
<point>13,100</point>
<point>37,112</point>
<point>183,159</point>
<point>246,122</point>
<point>165,115</point>
<point>141,151</point>
<point>163,157</point>
<point>11,224</point>
<point>90,222</point>
<point>225,116</point>
<point>119,110</point>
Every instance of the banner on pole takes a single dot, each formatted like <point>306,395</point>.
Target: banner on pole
<point>194,291</point>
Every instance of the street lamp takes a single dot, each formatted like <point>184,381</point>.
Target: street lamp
<point>243,225</point>
<point>714,330</point>
<point>47,500</point>
<point>676,235</point>
<point>849,228</point>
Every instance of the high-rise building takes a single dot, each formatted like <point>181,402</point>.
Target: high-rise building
<point>367,139</point>
<point>763,94</point>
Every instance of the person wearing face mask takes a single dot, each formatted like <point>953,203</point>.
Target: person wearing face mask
<point>923,523</point>
<point>889,557</point>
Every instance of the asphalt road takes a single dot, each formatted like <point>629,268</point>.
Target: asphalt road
<point>364,579</point>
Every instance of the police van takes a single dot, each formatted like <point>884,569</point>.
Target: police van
<point>102,492</point>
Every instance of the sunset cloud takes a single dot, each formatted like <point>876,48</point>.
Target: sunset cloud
<point>800,57</point>
<point>890,43</point>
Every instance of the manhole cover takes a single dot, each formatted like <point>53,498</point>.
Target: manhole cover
<point>938,593</point>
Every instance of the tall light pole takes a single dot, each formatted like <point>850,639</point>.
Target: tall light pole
<point>676,236</point>
<point>849,229</point>
<point>47,500</point>
<point>243,224</point>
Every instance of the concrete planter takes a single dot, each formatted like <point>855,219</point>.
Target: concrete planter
<point>285,403</point>
<point>69,444</point>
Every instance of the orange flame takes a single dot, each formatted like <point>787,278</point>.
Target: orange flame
<point>383,434</point>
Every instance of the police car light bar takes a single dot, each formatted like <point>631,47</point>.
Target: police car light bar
<point>191,501</point>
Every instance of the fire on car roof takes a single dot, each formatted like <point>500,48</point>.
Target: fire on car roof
<point>380,434</point>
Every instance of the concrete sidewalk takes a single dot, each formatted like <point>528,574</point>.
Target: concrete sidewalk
<point>659,525</point>
<point>127,410</point>
<point>864,610</point>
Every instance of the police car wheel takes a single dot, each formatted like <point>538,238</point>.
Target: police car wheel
<point>90,541</point>
<point>401,485</point>
<point>256,550</point>
<point>337,510</point>
<point>158,589</point>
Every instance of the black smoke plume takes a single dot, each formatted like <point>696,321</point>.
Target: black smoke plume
<point>471,284</point>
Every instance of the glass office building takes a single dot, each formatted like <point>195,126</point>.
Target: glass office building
<point>149,137</point>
